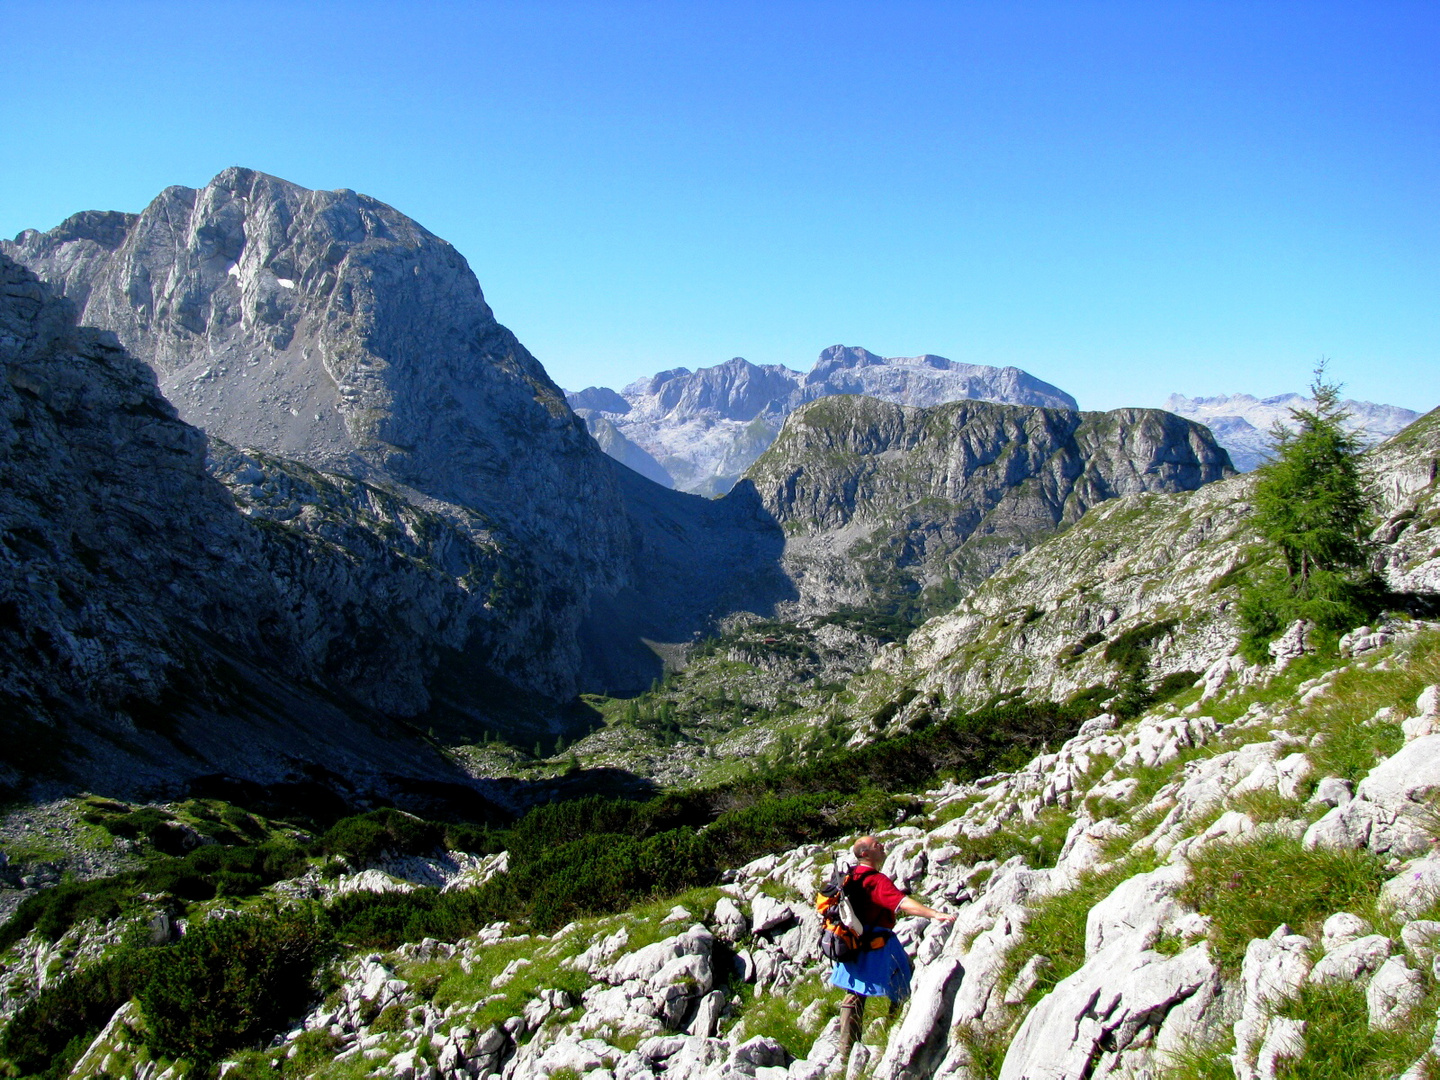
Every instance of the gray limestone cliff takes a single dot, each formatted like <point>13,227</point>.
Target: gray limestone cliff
<point>705,428</point>
<point>151,631</point>
<point>879,499</point>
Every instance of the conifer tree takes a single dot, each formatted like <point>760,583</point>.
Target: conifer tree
<point>1311,507</point>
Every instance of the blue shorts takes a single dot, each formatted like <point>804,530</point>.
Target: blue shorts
<point>882,972</point>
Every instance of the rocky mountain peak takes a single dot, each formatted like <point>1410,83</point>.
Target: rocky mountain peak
<point>925,380</point>
<point>328,328</point>
<point>322,325</point>
<point>881,501</point>
<point>734,390</point>
<point>843,356</point>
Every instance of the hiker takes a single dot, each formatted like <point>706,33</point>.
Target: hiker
<point>879,971</point>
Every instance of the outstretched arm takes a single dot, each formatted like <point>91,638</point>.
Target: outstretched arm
<point>911,906</point>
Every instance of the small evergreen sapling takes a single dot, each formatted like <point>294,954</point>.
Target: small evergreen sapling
<point>1313,512</point>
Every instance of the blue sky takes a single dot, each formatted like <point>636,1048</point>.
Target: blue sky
<point>1123,199</point>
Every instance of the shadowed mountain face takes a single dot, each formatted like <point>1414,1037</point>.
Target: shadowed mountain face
<point>328,329</point>
<point>702,429</point>
<point>877,498</point>
<point>150,631</point>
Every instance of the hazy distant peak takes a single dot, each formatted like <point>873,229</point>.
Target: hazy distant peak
<point>1241,422</point>
<point>597,399</point>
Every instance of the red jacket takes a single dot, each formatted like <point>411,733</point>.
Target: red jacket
<point>874,896</point>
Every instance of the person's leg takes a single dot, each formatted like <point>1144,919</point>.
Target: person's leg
<point>852,1015</point>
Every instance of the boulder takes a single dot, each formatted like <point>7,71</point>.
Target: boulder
<point>1275,968</point>
<point>1025,979</point>
<point>1284,1041</point>
<point>1362,823</point>
<point>1273,971</point>
<point>1136,910</point>
<point>1352,961</point>
<point>1332,791</point>
<point>1292,771</point>
<point>1421,939</point>
<point>729,921</point>
<point>1122,998</point>
<point>707,1014</point>
<point>919,1043</point>
<point>1393,993</point>
<point>1415,888</point>
<point>770,914</point>
<point>696,1058</point>
<point>1290,645</point>
<point>645,963</point>
<point>760,1052</point>
<point>1341,929</point>
<point>1407,778</point>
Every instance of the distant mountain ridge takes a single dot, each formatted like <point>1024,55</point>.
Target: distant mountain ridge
<point>1242,423</point>
<point>702,429</point>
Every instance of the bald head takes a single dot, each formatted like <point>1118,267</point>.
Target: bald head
<point>869,851</point>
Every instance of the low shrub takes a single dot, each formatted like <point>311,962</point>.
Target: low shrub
<point>202,874</point>
<point>48,1035</point>
<point>365,837</point>
<point>595,856</point>
<point>1175,684</point>
<point>229,982</point>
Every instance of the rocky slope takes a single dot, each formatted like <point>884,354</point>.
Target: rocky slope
<point>1100,928</point>
<point>883,499</point>
<point>1242,423</point>
<point>1239,876</point>
<point>1140,591</point>
<point>1162,568</point>
<point>1403,473</point>
<point>151,631</point>
<point>704,428</point>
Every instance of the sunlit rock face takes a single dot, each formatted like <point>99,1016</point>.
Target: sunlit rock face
<point>329,328</point>
<point>870,493</point>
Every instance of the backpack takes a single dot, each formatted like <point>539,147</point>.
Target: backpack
<point>842,935</point>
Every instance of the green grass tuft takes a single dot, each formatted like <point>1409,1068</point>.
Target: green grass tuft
<point>1339,1041</point>
<point>1250,888</point>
